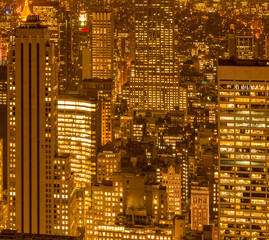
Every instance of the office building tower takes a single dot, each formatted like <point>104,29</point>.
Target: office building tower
<point>32,141</point>
<point>66,57</point>
<point>77,135</point>
<point>241,47</point>
<point>102,45</point>
<point>81,37</point>
<point>101,3</point>
<point>64,199</point>
<point>102,91</point>
<point>154,81</point>
<point>243,159</point>
<point>49,15</point>
<point>59,22</point>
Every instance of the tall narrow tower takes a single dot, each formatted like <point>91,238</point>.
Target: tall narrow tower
<point>154,84</point>
<point>102,44</point>
<point>32,94</point>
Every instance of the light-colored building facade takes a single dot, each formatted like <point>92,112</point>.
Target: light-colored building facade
<point>172,180</point>
<point>199,205</point>
<point>243,161</point>
<point>77,135</point>
<point>123,232</point>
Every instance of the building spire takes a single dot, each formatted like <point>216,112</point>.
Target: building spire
<point>26,11</point>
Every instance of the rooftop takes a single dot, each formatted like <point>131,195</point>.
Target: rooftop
<point>10,234</point>
<point>109,147</point>
<point>240,62</point>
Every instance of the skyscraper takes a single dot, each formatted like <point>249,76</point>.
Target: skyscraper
<point>59,22</point>
<point>243,146</point>
<point>65,50</point>
<point>102,44</point>
<point>77,135</point>
<point>32,142</point>
<point>102,91</point>
<point>154,82</point>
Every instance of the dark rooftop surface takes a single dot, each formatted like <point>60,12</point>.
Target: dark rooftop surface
<point>239,62</point>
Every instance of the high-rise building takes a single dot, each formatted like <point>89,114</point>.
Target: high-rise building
<point>59,22</point>
<point>81,37</point>
<point>49,15</point>
<point>102,91</point>
<point>243,159</point>
<point>32,142</point>
<point>102,45</point>
<point>154,81</point>
<point>77,135</point>
<point>66,57</point>
<point>241,47</point>
<point>64,199</point>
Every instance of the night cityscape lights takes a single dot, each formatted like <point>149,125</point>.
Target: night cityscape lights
<point>134,119</point>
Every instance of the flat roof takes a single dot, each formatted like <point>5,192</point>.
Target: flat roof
<point>240,62</point>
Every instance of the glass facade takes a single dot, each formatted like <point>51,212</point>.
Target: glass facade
<point>77,136</point>
<point>243,158</point>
